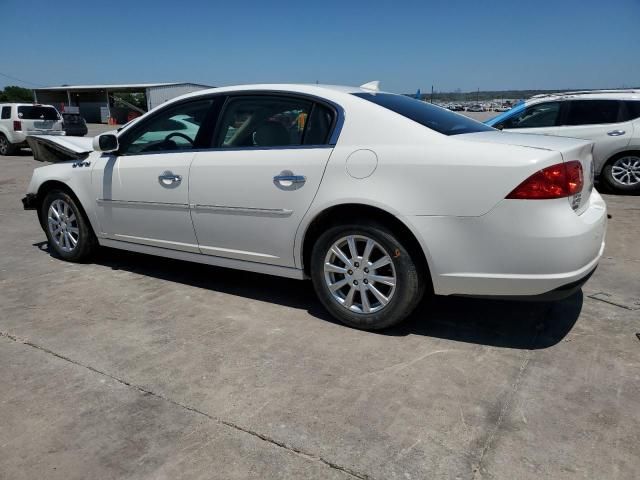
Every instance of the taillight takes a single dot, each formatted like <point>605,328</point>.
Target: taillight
<point>17,126</point>
<point>557,181</point>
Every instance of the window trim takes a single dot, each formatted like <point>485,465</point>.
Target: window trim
<point>335,128</point>
<point>219,102</point>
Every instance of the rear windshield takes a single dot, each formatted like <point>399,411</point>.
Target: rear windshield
<point>435,118</point>
<point>37,113</point>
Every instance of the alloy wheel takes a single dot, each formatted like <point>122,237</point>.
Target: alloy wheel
<point>4,145</point>
<point>360,274</point>
<point>626,170</point>
<point>63,225</point>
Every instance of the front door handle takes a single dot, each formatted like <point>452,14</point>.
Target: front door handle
<point>169,179</point>
<point>286,180</point>
<point>616,133</point>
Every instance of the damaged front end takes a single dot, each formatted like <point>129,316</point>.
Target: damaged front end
<point>54,149</point>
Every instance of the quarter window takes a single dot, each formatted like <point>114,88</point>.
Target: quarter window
<point>593,112</point>
<point>264,121</point>
<point>178,128</point>
<point>536,116</point>
<point>6,112</point>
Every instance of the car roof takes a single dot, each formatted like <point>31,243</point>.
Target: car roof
<point>631,94</point>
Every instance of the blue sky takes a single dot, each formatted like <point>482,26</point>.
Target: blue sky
<point>406,45</point>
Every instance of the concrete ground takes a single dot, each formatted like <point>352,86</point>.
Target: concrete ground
<point>137,367</point>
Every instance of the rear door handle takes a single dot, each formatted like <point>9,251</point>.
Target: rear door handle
<point>286,180</point>
<point>168,178</point>
<point>290,178</point>
<point>616,133</point>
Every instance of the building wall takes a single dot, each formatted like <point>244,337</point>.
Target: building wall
<point>158,95</point>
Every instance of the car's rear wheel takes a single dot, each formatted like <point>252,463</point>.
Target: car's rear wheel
<point>622,173</point>
<point>364,276</point>
<point>68,231</point>
<point>6,147</point>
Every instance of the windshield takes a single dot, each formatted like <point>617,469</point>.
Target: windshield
<point>439,119</point>
<point>36,112</point>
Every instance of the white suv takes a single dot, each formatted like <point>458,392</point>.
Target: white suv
<point>17,120</point>
<point>610,118</point>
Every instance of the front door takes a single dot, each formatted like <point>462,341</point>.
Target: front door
<point>142,191</point>
<point>249,194</point>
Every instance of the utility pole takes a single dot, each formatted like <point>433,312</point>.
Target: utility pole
<point>478,96</point>
<point>431,93</point>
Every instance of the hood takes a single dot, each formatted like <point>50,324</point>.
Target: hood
<point>50,148</point>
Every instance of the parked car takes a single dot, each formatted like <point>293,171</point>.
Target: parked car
<point>74,125</point>
<point>17,120</point>
<point>376,197</point>
<point>502,108</point>
<point>610,118</point>
<point>475,108</point>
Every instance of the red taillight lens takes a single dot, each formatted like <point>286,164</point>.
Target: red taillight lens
<point>17,126</point>
<point>557,181</point>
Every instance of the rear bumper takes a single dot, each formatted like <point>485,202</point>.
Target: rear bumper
<point>521,248</point>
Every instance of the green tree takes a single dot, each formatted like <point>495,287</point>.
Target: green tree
<point>13,93</point>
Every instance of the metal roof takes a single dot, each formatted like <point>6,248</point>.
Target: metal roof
<point>125,86</point>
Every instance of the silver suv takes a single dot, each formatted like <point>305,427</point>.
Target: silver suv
<point>17,120</point>
<point>610,118</point>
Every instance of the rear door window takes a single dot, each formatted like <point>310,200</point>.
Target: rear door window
<point>6,112</point>
<point>263,121</point>
<point>632,110</point>
<point>539,115</point>
<point>593,112</point>
<point>36,112</point>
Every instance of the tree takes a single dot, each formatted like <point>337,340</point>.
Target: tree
<point>13,93</point>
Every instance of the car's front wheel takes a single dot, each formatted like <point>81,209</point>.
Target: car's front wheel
<point>364,276</point>
<point>622,173</point>
<point>68,231</point>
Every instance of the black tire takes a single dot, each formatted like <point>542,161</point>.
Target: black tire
<point>609,180</point>
<point>409,283</point>
<point>6,147</point>
<point>82,232</point>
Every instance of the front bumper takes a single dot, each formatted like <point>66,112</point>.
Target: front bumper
<point>521,248</point>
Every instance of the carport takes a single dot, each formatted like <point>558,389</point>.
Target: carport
<point>99,103</point>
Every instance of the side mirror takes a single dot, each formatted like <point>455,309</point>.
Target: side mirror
<point>499,126</point>
<point>107,142</point>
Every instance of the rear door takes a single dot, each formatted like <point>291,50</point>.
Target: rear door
<point>541,118</point>
<point>601,121</point>
<point>249,193</point>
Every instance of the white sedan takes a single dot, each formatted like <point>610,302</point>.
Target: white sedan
<point>376,197</point>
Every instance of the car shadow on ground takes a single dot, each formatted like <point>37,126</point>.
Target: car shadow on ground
<point>508,324</point>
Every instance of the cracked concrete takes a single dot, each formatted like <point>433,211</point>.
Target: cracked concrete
<point>136,367</point>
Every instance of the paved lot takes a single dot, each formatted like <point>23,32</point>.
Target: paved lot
<point>137,367</point>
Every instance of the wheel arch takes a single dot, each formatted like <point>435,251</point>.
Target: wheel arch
<point>50,185</point>
<point>333,214</point>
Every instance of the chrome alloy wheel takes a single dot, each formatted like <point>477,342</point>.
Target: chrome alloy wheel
<point>360,274</point>
<point>63,225</point>
<point>626,170</point>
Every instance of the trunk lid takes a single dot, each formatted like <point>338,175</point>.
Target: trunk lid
<point>39,119</point>
<point>569,148</point>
